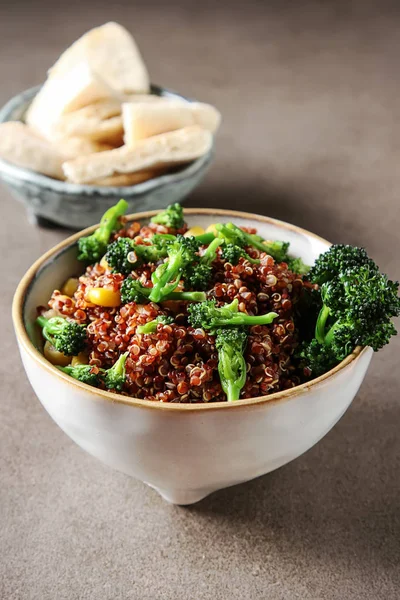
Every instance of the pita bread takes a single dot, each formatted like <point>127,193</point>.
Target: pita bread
<point>161,151</point>
<point>23,147</point>
<point>60,95</point>
<point>143,120</point>
<point>111,53</point>
<point>73,147</point>
<point>206,115</point>
<point>101,122</point>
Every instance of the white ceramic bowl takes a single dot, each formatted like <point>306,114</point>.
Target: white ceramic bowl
<point>184,451</point>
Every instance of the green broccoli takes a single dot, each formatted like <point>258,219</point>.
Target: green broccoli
<point>160,239</point>
<point>93,247</point>
<point>114,378</point>
<point>198,275</point>
<point>151,326</point>
<point>208,316</point>
<point>230,344</point>
<point>82,373</point>
<point>67,337</point>
<point>181,253</point>
<point>124,255</point>
<point>232,253</point>
<point>317,358</point>
<point>336,260</point>
<point>296,265</point>
<point>278,250</point>
<point>357,310</point>
<point>357,304</point>
<point>133,291</point>
<point>232,234</point>
<point>171,217</point>
<point>206,238</point>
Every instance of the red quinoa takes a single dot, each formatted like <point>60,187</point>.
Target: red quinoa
<point>179,363</point>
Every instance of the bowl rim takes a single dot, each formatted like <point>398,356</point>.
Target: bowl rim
<point>23,338</point>
<point>9,170</point>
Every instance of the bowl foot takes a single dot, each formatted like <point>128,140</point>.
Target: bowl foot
<point>182,497</point>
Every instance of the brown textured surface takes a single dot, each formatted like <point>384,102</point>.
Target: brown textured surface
<point>310,97</point>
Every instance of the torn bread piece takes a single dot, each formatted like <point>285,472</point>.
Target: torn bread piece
<point>101,122</point>
<point>73,147</point>
<point>168,149</point>
<point>127,179</point>
<point>22,146</point>
<point>143,120</point>
<point>60,95</point>
<point>111,53</point>
<point>206,115</point>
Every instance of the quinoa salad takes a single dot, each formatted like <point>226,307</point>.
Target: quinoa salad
<point>169,313</point>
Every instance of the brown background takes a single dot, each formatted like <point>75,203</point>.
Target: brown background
<point>310,95</point>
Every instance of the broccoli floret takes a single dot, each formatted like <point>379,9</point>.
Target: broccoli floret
<point>181,253</point>
<point>160,239</point>
<point>236,236</point>
<point>205,238</point>
<point>124,255</point>
<point>133,291</point>
<point>198,275</point>
<point>208,316</point>
<point>211,253</point>
<point>357,309</point>
<point>114,378</point>
<point>171,217</point>
<point>358,303</point>
<point>336,260</point>
<point>67,337</point>
<point>230,344</point>
<point>296,265</point>
<point>93,247</point>
<point>278,250</point>
<point>232,253</point>
<point>317,358</point>
<point>151,326</point>
<point>82,373</point>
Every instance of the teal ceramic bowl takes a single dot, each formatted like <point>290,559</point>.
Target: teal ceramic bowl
<point>50,201</point>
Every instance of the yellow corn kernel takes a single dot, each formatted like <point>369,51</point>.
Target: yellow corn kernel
<point>104,297</point>
<point>212,229</point>
<point>104,264</point>
<point>54,356</point>
<point>80,359</point>
<point>196,230</point>
<point>70,286</point>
